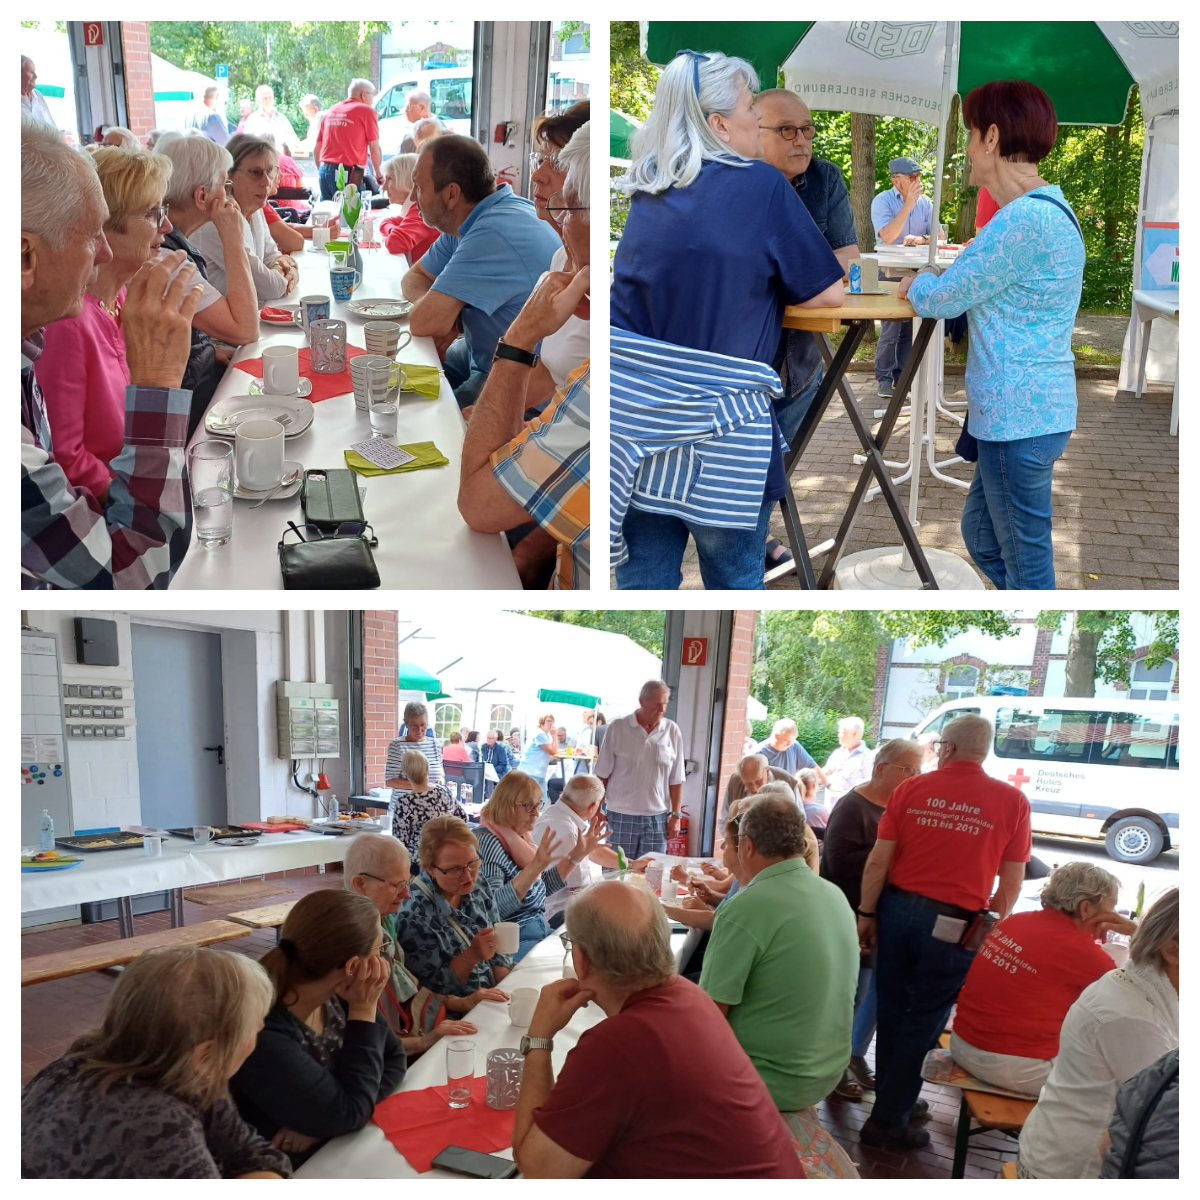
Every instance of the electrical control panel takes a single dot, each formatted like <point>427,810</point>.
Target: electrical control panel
<point>308,720</point>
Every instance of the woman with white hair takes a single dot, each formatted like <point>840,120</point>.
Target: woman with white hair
<point>1029,972</point>
<point>1121,1024</point>
<point>406,233</point>
<point>196,199</point>
<point>715,246</point>
<point>122,138</point>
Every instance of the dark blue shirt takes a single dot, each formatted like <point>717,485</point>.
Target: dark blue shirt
<point>497,755</point>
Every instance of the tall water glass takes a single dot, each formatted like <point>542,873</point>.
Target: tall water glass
<point>383,395</point>
<point>327,346</point>
<point>210,476</point>
<point>460,1071</point>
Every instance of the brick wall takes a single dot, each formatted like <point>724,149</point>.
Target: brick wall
<point>741,658</point>
<point>139,82</point>
<point>380,664</point>
<point>1041,662</point>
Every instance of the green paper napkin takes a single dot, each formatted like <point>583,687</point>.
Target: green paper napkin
<point>424,380</point>
<point>427,455</point>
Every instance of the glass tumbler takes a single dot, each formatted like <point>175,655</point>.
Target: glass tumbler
<point>383,396</point>
<point>327,346</point>
<point>460,1071</point>
<point>210,477</point>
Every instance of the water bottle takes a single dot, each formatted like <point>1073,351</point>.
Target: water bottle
<point>333,807</point>
<point>856,277</point>
<point>46,830</point>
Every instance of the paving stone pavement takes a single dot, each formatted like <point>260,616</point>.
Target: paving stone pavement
<point>1116,491</point>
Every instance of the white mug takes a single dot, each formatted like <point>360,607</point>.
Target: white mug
<point>258,454</point>
<point>508,936</point>
<point>320,236</point>
<point>151,846</point>
<point>670,890</point>
<point>281,370</point>
<point>521,1003</point>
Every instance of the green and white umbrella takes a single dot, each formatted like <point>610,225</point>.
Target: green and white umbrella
<point>620,131</point>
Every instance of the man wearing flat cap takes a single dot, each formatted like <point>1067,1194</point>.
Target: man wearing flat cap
<point>902,216</point>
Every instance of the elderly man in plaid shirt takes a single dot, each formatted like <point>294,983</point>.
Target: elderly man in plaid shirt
<point>544,471</point>
<point>137,535</point>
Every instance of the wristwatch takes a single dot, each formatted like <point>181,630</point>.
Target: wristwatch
<point>858,912</point>
<point>515,354</point>
<point>527,1043</point>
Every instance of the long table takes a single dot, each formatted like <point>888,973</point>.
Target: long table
<point>423,540</point>
<point>122,874</point>
<point>367,1154</point>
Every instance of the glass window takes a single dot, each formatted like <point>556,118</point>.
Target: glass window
<point>1144,677</point>
<point>938,723</point>
<point>569,77</point>
<point>451,98</point>
<point>501,718</point>
<point>962,680</point>
<point>389,104</point>
<point>1136,741</point>
<point>1057,736</point>
<point>447,720</point>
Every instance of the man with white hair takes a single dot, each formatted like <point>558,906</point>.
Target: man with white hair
<point>641,767</point>
<point>569,819</point>
<point>624,1103</point>
<point>850,764</point>
<point>33,103</point>
<point>418,108</point>
<point>268,119</point>
<point>348,137</point>
<point>310,106</point>
<point>943,839</point>
<point>209,119</point>
<point>423,130</point>
<point>784,751</point>
<point>509,473</point>
<point>137,536</point>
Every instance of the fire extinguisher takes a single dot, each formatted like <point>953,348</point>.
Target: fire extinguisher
<point>677,846</point>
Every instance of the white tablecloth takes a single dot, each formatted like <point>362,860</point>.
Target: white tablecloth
<point>109,874</point>
<point>423,541</point>
<point>367,1154</point>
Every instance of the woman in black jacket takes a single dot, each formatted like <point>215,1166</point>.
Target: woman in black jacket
<point>322,1061</point>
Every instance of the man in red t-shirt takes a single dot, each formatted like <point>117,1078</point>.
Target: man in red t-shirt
<point>349,134</point>
<point>943,839</point>
<point>624,1104</point>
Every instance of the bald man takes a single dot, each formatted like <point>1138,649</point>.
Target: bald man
<point>943,839</point>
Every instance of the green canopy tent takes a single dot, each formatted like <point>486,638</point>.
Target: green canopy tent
<point>411,678</point>
<point>620,132</point>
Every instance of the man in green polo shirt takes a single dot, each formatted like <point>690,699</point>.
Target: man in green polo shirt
<point>782,961</point>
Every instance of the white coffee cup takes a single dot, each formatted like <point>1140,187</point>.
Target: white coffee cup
<point>281,370</point>
<point>258,455</point>
<point>151,846</point>
<point>508,936</point>
<point>521,1003</point>
<point>670,891</point>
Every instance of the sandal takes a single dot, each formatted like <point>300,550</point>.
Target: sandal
<point>859,1069</point>
<point>849,1088</point>
<point>773,559</point>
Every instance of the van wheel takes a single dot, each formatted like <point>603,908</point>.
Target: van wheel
<point>1134,840</point>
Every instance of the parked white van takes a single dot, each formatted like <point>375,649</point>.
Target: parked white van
<point>1101,769</point>
<point>450,90</point>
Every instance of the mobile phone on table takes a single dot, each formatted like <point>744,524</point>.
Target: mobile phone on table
<point>330,499</point>
<point>479,1166</point>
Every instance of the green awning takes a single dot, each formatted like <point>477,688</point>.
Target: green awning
<point>766,44</point>
<point>620,130</point>
<point>411,678</point>
<point>558,696</point>
<point>47,90</point>
<point>174,95</point>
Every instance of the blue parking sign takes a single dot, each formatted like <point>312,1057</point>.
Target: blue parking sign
<point>222,70</point>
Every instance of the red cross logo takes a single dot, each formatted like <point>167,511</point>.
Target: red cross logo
<point>1020,778</point>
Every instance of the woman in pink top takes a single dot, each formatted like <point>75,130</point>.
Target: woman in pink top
<point>455,751</point>
<point>407,233</point>
<point>82,371</point>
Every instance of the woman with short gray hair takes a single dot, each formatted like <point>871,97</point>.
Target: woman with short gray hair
<point>1124,1022</point>
<point>414,734</point>
<point>716,244</point>
<point>1031,969</point>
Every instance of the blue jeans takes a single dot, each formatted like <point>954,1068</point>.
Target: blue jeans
<point>917,980</point>
<point>864,1011</point>
<point>461,374</point>
<point>729,558</point>
<point>892,350</point>
<point>1007,513</point>
<point>791,410</point>
<point>533,930</point>
<point>327,174</point>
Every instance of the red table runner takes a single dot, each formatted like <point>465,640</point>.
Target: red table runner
<point>323,386</point>
<point>421,1124</point>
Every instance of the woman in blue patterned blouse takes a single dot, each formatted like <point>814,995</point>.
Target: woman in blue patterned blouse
<point>1019,283</point>
<point>446,926</point>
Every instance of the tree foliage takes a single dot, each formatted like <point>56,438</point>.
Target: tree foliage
<point>1103,642</point>
<point>294,57</point>
<point>643,626</point>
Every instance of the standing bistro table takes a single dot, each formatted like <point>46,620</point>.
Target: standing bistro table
<point>423,540</point>
<point>123,874</point>
<point>367,1154</point>
<point>1148,306</point>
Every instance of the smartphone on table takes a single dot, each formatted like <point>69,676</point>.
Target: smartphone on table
<point>471,1162</point>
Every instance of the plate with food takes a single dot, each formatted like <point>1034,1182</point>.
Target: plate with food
<point>379,306</point>
<point>48,860</point>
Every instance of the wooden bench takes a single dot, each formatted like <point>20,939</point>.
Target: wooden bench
<point>1004,1114</point>
<point>1008,1171</point>
<point>120,951</point>
<point>268,917</point>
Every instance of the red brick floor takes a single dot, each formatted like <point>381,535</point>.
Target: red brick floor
<point>54,1014</point>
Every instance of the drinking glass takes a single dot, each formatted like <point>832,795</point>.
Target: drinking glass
<point>327,346</point>
<point>943,233</point>
<point>210,476</point>
<point>460,1071</point>
<point>383,393</point>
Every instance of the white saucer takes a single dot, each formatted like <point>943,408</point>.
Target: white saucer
<point>376,307</point>
<point>256,388</point>
<point>293,413</point>
<point>245,493</point>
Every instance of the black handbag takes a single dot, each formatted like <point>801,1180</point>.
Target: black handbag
<point>342,562</point>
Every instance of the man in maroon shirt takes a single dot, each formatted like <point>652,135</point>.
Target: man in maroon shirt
<point>624,1104</point>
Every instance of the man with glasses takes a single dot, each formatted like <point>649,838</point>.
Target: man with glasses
<point>418,109</point>
<point>348,136</point>
<point>477,275</point>
<point>927,889</point>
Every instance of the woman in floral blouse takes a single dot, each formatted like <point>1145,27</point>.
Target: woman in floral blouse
<point>420,804</point>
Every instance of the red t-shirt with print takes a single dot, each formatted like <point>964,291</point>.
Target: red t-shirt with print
<point>346,132</point>
<point>625,1099</point>
<point>1029,971</point>
<point>953,828</point>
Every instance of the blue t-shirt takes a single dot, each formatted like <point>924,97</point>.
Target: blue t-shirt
<point>492,265</point>
<point>791,760</point>
<point>535,760</point>
<point>712,265</point>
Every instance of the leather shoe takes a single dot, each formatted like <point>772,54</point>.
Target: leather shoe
<point>908,1138</point>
